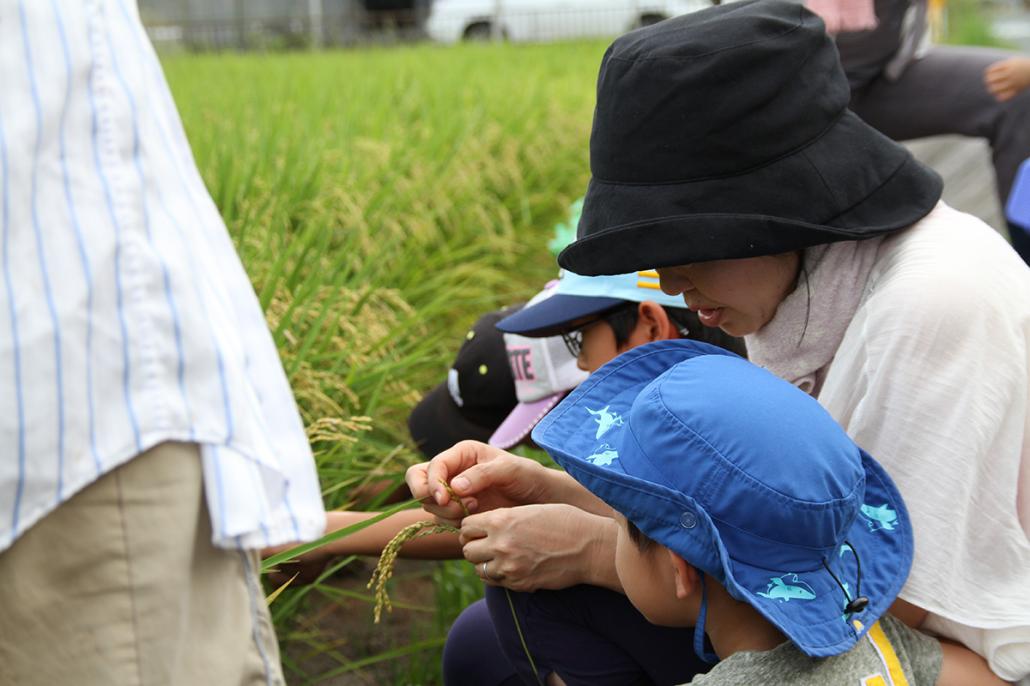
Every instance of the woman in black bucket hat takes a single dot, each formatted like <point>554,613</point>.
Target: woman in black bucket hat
<point>724,155</point>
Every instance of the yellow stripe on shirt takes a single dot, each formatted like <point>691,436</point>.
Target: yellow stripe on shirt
<point>887,655</point>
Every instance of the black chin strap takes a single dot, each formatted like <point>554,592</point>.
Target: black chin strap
<point>859,602</point>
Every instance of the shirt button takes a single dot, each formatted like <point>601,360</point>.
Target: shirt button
<point>688,520</point>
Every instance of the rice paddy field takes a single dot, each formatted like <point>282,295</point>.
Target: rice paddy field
<point>382,199</point>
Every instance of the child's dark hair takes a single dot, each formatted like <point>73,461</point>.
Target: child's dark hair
<point>624,318</point>
<point>642,542</point>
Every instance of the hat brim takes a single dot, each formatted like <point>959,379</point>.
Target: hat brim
<point>553,315</point>
<point>436,423</point>
<point>516,427</point>
<point>630,484</point>
<point>850,183</point>
<point>885,555</point>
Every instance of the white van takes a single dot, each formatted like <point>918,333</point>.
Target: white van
<point>547,20</point>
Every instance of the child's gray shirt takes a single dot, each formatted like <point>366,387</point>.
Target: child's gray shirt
<point>888,645</point>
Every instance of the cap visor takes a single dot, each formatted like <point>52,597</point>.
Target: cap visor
<point>554,314</point>
<point>521,421</point>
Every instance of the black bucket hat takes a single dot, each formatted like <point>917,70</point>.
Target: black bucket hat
<point>725,134</point>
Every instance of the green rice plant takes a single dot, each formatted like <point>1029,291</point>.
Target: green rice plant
<point>388,558</point>
<point>381,200</point>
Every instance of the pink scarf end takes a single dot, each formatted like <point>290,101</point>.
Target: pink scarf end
<point>845,16</point>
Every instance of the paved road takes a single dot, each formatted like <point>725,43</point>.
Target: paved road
<point>1013,27</point>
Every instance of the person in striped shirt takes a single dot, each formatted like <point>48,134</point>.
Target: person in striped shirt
<point>151,441</point>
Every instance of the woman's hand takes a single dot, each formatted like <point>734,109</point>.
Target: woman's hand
<point>548,546</point>
<point>485,478</point>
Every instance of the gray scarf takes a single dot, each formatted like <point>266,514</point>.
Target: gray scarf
<point>799,342</point>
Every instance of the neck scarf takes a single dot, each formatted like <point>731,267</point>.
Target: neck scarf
<point>799,342</point>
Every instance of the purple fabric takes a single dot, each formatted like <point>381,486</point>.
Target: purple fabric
<point>590,636</point>
<point>472,655</point>
<point>521,421</point>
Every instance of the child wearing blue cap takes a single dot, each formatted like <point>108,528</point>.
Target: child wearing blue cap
<point>747,512</point>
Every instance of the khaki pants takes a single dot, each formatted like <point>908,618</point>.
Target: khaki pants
<point>121,585</point>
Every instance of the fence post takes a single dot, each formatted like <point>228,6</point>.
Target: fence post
<point>187,24</point>
<point>315,16</point>
<point>241,25</point>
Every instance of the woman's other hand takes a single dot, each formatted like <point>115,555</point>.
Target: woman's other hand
<point>549,546</point>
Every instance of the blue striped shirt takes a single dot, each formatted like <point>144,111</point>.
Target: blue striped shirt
<point>126,318</point>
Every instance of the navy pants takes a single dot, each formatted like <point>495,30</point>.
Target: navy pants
<point>473,655</point>
<point>587,635</point>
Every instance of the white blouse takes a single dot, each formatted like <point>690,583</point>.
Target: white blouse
<point>932,379</point>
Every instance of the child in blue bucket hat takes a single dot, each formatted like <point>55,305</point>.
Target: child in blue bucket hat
<point>745,511</point>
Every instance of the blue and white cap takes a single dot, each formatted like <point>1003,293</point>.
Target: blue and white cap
<point>544,372</point>
<point>745,477</point>
<point>578,296</point>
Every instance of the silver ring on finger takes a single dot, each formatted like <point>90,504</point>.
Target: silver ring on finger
<point>488,577</point>
<point>483,572</point>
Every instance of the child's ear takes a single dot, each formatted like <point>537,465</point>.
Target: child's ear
<point>687,578</point>
<point>654,322</point>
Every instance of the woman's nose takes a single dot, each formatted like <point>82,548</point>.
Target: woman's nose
<point>674,281</point>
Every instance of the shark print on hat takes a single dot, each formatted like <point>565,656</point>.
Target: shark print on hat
<point>786,588</point>
<point>880,518</point>
<point>605,419</point>
<point>604,455</point>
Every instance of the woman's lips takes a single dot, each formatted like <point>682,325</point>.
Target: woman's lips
<point>710,316</point>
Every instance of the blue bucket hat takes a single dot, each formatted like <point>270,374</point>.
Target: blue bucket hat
<point>746,478</point>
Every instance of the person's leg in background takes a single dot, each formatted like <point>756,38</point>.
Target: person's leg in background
<point>1020,239</point>
<point>590,636</point>
<point>472,655</point>
<point>121,585</point>
<point>944,93</point>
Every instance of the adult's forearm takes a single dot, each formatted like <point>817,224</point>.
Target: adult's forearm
<point>562,488</point>
<point>600,568</point>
